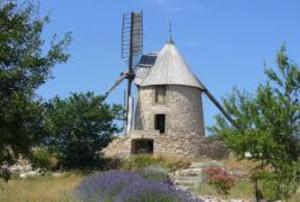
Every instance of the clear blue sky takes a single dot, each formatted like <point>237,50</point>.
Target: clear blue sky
<point>225,43</point>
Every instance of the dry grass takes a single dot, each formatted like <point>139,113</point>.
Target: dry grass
<point>245,165</point>
<point>171,162</point>
<point>60,189</point>
<point>40,189</point>
<point>296,198</point>
<point>242,190</point>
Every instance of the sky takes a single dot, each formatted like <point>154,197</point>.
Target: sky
<point>225,43</point>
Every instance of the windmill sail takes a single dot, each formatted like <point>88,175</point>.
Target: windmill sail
<point>132,47</point>
<point>132,35</point>
<point>170,68</point>
<point>130,115</point>
<point>217,104</point>
<point>220,107</point>
<point>117,82</point>
<point>131,50</point>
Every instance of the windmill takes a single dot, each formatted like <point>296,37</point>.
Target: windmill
<point>132,46</point>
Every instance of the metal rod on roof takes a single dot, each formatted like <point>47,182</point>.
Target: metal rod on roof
<point>170,32</point>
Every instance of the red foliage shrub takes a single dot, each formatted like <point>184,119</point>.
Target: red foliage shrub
<point>218,177</point>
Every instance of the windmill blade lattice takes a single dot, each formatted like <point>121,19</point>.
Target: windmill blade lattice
<point>131,49</point>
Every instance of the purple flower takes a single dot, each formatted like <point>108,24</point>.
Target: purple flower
<point>153,191</point>
<point>122,186</point>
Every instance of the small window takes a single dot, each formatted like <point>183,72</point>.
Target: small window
<point>160,120</point>
<point>160,94</point>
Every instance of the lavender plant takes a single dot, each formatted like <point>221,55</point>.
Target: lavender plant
<point>128,186</point>
<point>102,187</point>
<point>145,191</point>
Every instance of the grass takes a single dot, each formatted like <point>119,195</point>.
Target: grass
<point>40,189</point>
<point>239,164</point>
<point>170,162</point>
<point>59,189</point>
<point>296,198</point>
<point>242,190</point>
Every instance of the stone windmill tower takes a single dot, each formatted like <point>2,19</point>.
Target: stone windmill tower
<point>169,99</point>
<point>168,116</point>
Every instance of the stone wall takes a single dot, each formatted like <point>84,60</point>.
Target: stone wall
<point>213,149</point>
<point>179,144</point>
<point>184,126</point>
<point>183,110</point>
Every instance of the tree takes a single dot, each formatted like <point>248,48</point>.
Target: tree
<point>268,127</point>
<point>78,127</point>
<point>25,64</point>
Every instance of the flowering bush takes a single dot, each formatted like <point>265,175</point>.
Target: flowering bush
<point>220,179</point>
<point>124,186</point>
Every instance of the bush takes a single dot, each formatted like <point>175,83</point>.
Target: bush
<point>111,164</point>
<point>138,161</point>
<point>155,173</point>
<point>78,127</point>
<point>273,186</point>
<point>169,162</point>
<point>220,179</point>
<point>124,186</point>
<point>42,158</point>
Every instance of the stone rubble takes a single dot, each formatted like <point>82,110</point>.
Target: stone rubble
<point>19,168</point>
<point>31,173</point>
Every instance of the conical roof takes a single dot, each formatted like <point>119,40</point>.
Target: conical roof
<point>170,69</point>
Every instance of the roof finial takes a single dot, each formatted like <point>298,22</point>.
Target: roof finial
<point>170,32</point>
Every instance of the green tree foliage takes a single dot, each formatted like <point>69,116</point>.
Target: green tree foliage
<point>25,64</point>
<point>268,127</point>
<point>79,127</point>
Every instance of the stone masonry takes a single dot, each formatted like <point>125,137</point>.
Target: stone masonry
<point>192,147</point>
<point>183,109</point>
<point>168,117</point>
<point>163,145</point>
<point>184,130</point>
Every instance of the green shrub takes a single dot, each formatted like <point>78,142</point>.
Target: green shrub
<point>111,164</point>
<point>277,186</point>
<point>155,173</point>
<point>42,158</point>
<point>269,188</point>
<point>175,162</point>
<point>138,161</point>
<point>170,162</point>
